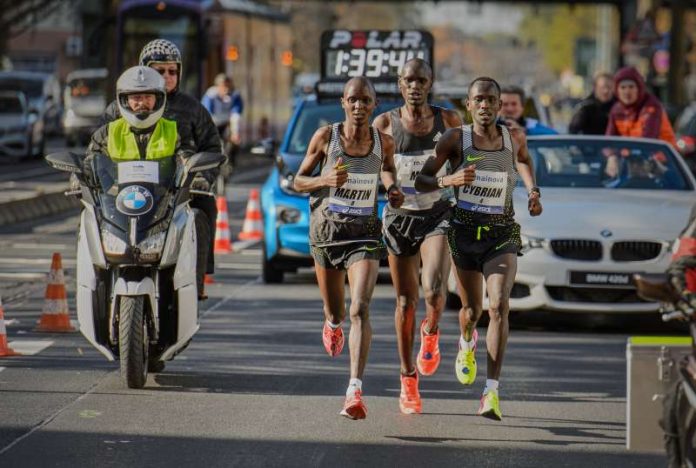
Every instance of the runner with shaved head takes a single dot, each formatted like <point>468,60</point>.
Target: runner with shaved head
<point>416,232</point>
<point>345,230</point>
<point>484,238</point>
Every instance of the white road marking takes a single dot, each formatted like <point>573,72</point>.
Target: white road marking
<point>22,276</point>
<point>2,369</point>
<point>240,246</point>
<point>238,266</point>
<point>30,347</point>
<point>37,245</point>
<point>35,261</point>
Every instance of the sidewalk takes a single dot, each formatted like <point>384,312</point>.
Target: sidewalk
<point>23,201</point>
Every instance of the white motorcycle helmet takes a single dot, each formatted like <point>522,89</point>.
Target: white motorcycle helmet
<point>141,80</point>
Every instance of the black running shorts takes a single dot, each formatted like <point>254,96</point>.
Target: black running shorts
<point>472,247</point>
<point>404,233</point>
<point>342,256</point>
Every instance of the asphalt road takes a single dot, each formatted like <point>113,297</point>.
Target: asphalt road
<point>256,388</point>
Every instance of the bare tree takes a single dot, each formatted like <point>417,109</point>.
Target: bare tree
<point>18,16</point>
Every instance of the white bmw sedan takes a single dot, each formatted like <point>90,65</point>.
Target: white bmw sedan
<point>612,207</point>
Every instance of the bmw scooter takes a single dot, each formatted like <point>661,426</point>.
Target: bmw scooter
<point>137,299</point>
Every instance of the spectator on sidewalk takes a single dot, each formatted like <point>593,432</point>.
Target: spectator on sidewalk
<point>592,114</point>
<point>637,113</point>
<point>225,106</point>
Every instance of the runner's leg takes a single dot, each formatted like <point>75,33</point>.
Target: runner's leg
<point>470,287</point>
<point>500,276</point>
<point>362,277</point>
<point>434,273</point>
<point>332,287</point>
<point>404,273</point>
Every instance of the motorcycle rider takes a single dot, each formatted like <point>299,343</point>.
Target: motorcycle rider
<point>196,131</point>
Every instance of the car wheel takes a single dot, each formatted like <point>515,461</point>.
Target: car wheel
<point>269,272</point>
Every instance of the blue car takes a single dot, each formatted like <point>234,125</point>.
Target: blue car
<point>285,211</point>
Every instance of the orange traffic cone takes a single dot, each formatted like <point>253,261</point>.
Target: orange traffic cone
<point>253,227</point>
<point>208,279</point>
<point>55,316</point>
<point>5,349</point>
<point>222,228</point>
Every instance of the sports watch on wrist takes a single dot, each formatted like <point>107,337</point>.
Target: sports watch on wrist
<point>534,189</point>
<point>441,182</point>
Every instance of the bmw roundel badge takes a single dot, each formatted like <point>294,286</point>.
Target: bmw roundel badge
<point>606,233</point>
<point>134,200</point>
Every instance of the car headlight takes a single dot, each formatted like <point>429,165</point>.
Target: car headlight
<point>529,243</point>
<point>112,244</point>
<point>287,215</point>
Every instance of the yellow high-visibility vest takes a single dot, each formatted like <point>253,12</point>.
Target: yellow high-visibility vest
<point>123,147</point>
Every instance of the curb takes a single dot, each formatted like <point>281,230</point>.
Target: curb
<point>42,204</point>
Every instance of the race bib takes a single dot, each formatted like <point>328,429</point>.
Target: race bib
<point>408,167</point>
<point>486,194</point>
<point>356,197</point>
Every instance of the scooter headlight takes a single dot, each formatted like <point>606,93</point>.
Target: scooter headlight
<point>113,245</point>
<point>151,247</point>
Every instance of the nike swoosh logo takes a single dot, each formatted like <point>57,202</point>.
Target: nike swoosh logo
<point>371,249</point>
<point>471,158</point>
<point>500,246</point>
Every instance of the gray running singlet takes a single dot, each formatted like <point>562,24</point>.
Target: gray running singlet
<point>411,153</point>
<point>489,199</point>
<point>348,213</point>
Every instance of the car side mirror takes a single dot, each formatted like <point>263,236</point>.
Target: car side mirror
<point>65,161</point>
<point>266,147</point>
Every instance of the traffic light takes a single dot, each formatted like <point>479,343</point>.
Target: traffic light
<point>232,54</point>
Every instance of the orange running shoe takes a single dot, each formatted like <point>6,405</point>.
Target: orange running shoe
<point>333,340</point>
<point>354,408</point>
<point>410,400</point>
<point>429,355</point>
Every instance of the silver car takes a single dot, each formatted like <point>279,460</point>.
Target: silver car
<point>18,126</point>
<point>612,207</point>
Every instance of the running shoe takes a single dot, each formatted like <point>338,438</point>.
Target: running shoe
<point>354,407</point>
<point>429,354</point>
<point>490,406</point>
<point>465,365</point>
<point>333,340</point>
<point>410,400</point>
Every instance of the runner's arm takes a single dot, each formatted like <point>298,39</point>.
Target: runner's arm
<point>448,148</point>
<point>451,118</point>
<point>316,153</point>
<point>388,172</point>
<point>525,167</point>
<point>383,123</point>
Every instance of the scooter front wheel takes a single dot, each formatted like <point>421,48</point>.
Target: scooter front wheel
<point>133,341</point>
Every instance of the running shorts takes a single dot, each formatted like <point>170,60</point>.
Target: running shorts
<point>342,256</point>
<point>473,246</point>
<point>405,232</point>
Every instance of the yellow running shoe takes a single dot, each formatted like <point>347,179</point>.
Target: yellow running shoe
<point>465,365</point>
<point>490,406</point>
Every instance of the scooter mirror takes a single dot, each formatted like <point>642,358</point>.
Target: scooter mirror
<point>203,162</point>
<point>65,161</point>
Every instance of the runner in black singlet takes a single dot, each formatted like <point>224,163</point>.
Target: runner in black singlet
<point>344,226</point>
<point>483,237</point>
<point>417,231</point>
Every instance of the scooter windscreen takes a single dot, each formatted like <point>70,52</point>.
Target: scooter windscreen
<point>135,196</point>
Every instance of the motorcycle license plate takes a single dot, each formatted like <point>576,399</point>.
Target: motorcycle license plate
<point>601,278</point>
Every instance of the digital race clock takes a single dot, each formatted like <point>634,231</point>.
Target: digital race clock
<point>377,55</point>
